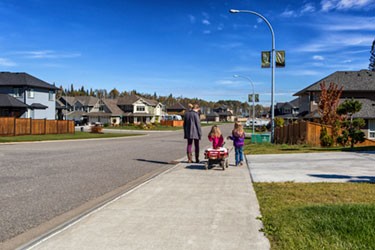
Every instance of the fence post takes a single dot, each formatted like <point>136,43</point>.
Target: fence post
<point>14,125</point>
<point>45,126</point>
<point>31,126</point>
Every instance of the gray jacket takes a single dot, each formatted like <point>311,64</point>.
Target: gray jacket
<point>192,125</point>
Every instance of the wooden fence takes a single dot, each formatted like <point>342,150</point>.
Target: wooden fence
<point>10,126</point>
<point>172,123</point>
<point>305,132</point>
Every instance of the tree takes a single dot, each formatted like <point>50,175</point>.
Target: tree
<point>372,57</point>
<point>328,103</point>
<point>351,127</point>
<point>114,93</point>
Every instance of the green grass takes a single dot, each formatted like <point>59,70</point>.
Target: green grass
<point>77,135</point>
<point>268,148</point>
<point>318,215</point>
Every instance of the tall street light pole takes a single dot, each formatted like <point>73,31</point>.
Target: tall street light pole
<point>252,85</point>
<point>272,66</point>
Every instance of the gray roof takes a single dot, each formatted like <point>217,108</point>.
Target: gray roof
<point>367,111</point>
<point>87,100</point>
<point>7,101</point>
<point>354,81</point>
<point>130,99</point>
<point>38,106</point>
<point>112,106</point>
<point>23,79</point>
<point>176,106</point>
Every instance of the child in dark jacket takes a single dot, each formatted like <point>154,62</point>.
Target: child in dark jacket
<point>238,137</point>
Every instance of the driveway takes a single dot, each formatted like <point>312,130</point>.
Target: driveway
<point>313,167</point>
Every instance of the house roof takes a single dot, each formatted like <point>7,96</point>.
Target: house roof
<point>130,99</point>
<point>127,100</point>
<point>112,106</point>
<point>98,114</point>
<point>87,100</point>
<point>176,106</point>
<point>23,79</point>
<point>38,106</point>
<point>367,111</point>
<point>69,99</point>
<point>363,80</point>
<point>7,101</point>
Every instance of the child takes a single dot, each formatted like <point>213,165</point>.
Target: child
<point>216,137</point>
<point>238,137</point>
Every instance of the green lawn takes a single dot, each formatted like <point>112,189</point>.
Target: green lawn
<point>77,135</point>
<point>318,215</point>
<point>148,127</point>
<point>268,148</point>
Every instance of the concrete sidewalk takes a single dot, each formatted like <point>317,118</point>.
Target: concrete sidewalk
<point>187,207</point>
<point>313,167</point>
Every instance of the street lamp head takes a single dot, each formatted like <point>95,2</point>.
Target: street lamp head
<point>234,11</point>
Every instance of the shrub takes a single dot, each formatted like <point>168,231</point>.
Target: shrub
<point>326,140</point>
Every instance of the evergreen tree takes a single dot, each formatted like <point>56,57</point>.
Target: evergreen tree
<point>372,57</point>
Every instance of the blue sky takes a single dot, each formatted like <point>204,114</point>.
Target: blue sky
<point>185,48</point>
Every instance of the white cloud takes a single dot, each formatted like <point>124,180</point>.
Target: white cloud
<point>207,32</point>
<point>288,13</point>
<point>336,42</point>
<point>192,18</point>
<point>42,54</point>
<point>7,63</point>
<point>328,5</point>
<point>347,23</point>
<point>206,22</point>
<point>308,8</point>
<point>318,58</point>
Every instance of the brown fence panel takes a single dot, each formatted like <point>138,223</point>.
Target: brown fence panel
<point>23,126</point>
<point>51,126</point>
<point>7,126</point>
<point>38,127</point>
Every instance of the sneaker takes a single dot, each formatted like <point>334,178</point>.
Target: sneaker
<point>241,163</point>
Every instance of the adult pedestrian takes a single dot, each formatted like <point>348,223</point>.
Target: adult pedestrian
<point>192,132</point>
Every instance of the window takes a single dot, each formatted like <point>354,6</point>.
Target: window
<point>371,129</point>
<point>30,94</point>
<point>140,108</point>
<point>17,92</point>
<point>50,95</point>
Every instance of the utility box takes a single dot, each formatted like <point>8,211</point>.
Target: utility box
<point>260,138</point>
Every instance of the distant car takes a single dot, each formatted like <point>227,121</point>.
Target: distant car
<point>257,123</point>
<point>172,118</point>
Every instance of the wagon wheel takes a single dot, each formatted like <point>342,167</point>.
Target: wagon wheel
<point>222,164</point>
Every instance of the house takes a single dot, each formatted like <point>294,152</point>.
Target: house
<point>359,85</point>
<point>176,109</point>
<point>225,114</point>
<point>139,109</point>
<point>37,95</point>
<point>110,106</point>
<point>287,110</point>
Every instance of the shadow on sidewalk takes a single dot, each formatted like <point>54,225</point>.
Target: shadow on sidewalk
<point>367,179</point>
<point>159,162</point>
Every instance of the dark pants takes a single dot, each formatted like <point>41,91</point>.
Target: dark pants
<point>190,145</point>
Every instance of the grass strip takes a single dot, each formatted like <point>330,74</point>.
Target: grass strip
<point>318,215</point>
<point>52,137</point>
<point>268,148</point>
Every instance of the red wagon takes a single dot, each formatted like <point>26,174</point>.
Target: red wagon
<point>218,156</point>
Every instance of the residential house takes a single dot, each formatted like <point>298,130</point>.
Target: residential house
<point>140,110</point>
<point>224,113</point>
<point>37,96</point>
<point>110,107</point>
<point>176,109</point>
<point>287,110</point>
<point>359,85</point>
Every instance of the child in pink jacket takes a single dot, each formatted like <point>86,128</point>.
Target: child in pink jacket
<point>216,137</point>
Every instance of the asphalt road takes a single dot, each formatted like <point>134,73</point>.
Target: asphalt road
<point>43,180</point>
